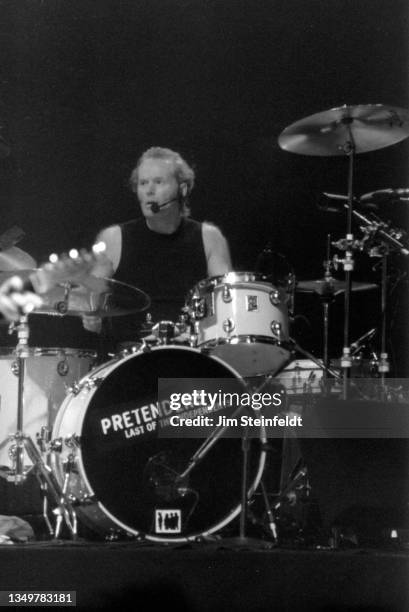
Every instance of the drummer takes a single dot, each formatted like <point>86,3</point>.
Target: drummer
<point>164,253</point>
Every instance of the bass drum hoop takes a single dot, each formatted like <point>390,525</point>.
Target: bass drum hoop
<point>93,509</point>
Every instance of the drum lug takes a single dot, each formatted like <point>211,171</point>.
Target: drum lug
<point>62,367</point>
<point>74,389</point>
<point>86,498</point>
<point>226,295</point>
<point>72,441</point>
<point>73,499</point>
<point>43,439</point>
<point>56,445</point>
<point>275,297</point>
<point>15,368</point>
<point>198,309</point>
<point>228,325</point>
<point>276,329</point>
<point>92,383</point>
<point>145,347</point>
<point>193,340</point>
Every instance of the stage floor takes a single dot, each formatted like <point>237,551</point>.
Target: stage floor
<point>215,576</point>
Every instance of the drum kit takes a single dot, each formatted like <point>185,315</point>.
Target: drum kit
<point>234,326</point>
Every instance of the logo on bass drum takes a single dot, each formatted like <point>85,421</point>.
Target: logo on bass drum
<point>168,521</point>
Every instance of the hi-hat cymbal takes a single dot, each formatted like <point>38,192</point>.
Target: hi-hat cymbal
<point>372,126</point>
<point>330,286</point>
<point>117,299</point>
<point>15,258</point>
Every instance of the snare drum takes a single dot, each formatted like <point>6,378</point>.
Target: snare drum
<point>49,372</point>
<point>123,478</point>
<point>243,319</point>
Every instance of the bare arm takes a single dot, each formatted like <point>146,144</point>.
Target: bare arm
<point>216,249</point>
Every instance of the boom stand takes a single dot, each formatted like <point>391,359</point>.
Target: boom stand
<point>18,474</point>
<point>391,239</point>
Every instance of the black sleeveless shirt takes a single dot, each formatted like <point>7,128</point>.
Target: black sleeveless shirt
<point>165,266</point>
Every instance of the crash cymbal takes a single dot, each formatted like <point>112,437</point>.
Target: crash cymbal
<point>373,126</point>
<point>116,299</point>
<point>14,258</point>
<point>385,196</point>
<point>330,286</point>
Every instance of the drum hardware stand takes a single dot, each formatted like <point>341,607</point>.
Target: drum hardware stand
<point>299,472</point>
<point>391,238</point>
<point>61,307</point>
<point>18,473</point>
<point>383,366</point>
<point>348,245</point>
<point>202,451</point>
<point>348,261</point>
<point>270,515</point>
<point>326,299</point>
<point>374,231</point>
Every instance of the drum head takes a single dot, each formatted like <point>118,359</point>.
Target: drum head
<point>134,475</point>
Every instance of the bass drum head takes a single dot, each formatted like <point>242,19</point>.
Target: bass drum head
<point>133,474</point>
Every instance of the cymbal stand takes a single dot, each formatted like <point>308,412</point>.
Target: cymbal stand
<point>62,306</point>
<point>326,299</point>
<point>348,261</point>
<point>390,238</point>
<point>22,354</point>
<point>383,366</point>
<point>24,443</point>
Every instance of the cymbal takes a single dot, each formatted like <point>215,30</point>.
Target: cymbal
<point>373,126</point>
<point>115,300</point>
<point>15,258</point>
<point>385,196</point>
<point>331,286</point>
<point>99,297</point>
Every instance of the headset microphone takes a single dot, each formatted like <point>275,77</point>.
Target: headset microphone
<point>155,207</point>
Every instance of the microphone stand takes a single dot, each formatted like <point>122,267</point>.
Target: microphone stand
<point>210,441</point>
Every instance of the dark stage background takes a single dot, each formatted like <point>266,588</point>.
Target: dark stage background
<point>85,87</point>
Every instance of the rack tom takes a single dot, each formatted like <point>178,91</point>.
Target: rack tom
<point>243,319</point>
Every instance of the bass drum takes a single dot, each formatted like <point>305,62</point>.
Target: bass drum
<point>127,482</point>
